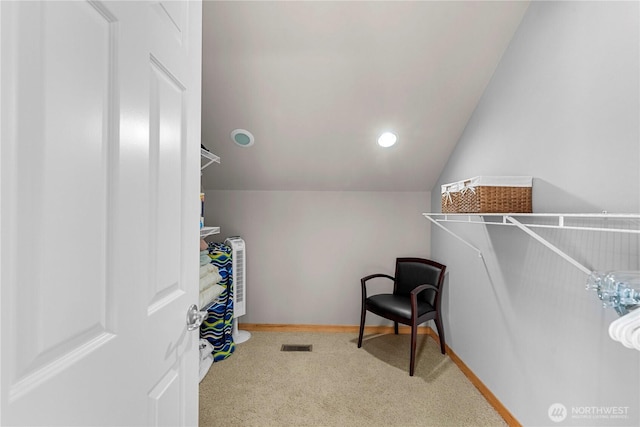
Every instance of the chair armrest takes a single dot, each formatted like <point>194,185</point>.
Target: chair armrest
<point>364,279</point>
<point>363,282</point>
<point>414,296</point>
<point>418,289</point>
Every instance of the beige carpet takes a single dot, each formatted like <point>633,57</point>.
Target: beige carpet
<point>338,384</point>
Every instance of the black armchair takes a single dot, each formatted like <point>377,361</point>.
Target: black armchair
<point>417,292</point>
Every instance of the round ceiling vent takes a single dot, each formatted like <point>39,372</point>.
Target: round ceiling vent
<point>242,137</point>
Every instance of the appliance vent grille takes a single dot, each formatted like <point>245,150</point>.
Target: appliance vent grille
<point>238,276</point>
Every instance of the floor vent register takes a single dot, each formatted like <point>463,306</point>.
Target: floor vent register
<point>296,347</point>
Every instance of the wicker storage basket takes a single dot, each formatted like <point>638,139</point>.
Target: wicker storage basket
<point>450,197</point>
<point>488,194</point>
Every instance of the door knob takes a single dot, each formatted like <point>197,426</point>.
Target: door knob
<point>195,317</point>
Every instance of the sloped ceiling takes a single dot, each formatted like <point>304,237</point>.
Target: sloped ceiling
<point>317,82</point>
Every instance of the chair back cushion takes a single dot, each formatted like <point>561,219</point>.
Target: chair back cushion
<point>413,273</point>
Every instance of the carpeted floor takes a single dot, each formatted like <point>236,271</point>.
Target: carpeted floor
<point>338,384</point>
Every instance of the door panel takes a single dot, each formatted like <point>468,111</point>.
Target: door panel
<point>99,207</point>
<point>166,164</point>
<point>164,401</point>
<point>88,98</point>
<point>172,15</point>
<point>60,164</point>
<point>174,181</point>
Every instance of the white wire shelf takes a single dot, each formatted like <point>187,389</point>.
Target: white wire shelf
<point>603,222</point>
<point>626,329</point>
<point>610,222</point>
<point>208,231</point>
<point>209,158</point>
<point>217,299</point>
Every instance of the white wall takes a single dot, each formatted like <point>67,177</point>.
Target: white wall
<point>563,106</point>
<point>306,250</point>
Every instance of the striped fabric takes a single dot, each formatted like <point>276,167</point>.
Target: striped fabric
<point>217,327</point>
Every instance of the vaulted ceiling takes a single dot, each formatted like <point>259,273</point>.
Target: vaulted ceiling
<point>317,82</point>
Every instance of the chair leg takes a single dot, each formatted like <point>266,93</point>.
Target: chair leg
<point>440,332</point>
<point>395,328</point>
<point>362,316</point>
<point>412,361</point>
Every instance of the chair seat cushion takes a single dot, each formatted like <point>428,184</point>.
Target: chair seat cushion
<point>398,305</point>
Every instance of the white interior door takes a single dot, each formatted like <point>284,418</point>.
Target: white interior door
<point>99,212</point>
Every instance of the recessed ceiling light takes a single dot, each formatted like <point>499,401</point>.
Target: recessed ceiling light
<point>387,139</point>
<point>242,137</point>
